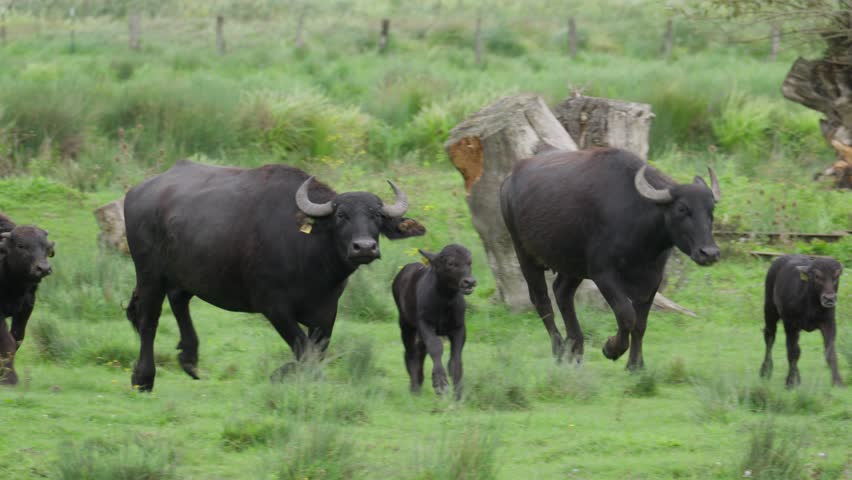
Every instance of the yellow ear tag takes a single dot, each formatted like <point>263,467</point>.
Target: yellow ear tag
<point>803,276</point>
<point>424,261</point>
<point>307,226</point>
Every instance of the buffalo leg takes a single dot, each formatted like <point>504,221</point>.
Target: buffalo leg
<point>537,286</point>
<point>435,349</point>
<point>564,289</point>
<point>295,338</point>
<point>413,357</point>
<point>457,339</point>
<point>635,360</point>
<point>828,330</point>
<point>625,315</point>
<point>793,352</point>
<point>188,345</point>
<point>20,319</point>
<point>7,356</point>
<point>770,315</point>
<point>149,305</point>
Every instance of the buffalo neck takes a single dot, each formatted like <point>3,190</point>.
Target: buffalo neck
<point>11,284</point>
<point>650,235</point>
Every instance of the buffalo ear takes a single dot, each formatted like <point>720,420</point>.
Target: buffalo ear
<point>803,273</point>
<point>837,272</point>
<point>429,256</point>
<point>396,227</point>
<point>700,181</point>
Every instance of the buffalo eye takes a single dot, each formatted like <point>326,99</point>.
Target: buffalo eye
<point>22,246</point>
<point>682,210</point>
<point>342,216</point>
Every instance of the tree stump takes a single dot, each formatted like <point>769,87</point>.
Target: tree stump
<point>603,122</point>
<point>484,148</point>
<point>113,235</point>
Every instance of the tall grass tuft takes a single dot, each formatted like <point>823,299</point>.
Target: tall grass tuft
<point>318,451</point>
<point>645,385</point>
<point>773,454</point>
<point>241,434</point>
<point>498,385</point>
<point>559,383</point>
<point>52,342</point>
<point>472,456</point>
<point>138,457</point>
<point>721,397</point>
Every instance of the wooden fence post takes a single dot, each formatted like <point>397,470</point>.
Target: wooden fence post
<point>133,24</point>
<point>220,34</point>
<point>668,40</point>
<point>300,27</point>
<point>384,36</point>
<point>477,46</point>
<point>776,42</point>
<point>572,37</point>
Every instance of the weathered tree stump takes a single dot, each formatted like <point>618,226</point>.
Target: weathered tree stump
<point>113,235</point>
<point>604,122</point>
<point>484,147</point>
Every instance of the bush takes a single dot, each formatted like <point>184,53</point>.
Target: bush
<point>137,457</point>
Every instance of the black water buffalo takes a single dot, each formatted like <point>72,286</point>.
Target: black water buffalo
<point>431,304</point>
<point>249,240</point>
<point>802,291</point>
<point>603,214</point>
<point>24,250</point>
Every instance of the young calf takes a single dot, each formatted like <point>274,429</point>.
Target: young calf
<point>23,263</point>
<point>801,290</point>
<point>431,304</point>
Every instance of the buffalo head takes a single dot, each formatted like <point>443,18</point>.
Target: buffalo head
<point>823,277</point>
<point>688,214</point>
<point>452,267</point>
<point>357,218</point>
<point>25,250</point>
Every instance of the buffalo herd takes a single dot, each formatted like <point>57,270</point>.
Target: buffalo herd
<point>275,241</point>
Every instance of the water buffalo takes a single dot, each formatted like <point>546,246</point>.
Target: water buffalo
<point>802,291</point>
<point>603,214</point>
<point>268,240</point>
<point>24,250</point>
<point>431,304</point>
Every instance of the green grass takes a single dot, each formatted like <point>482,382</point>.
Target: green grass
<point>79,128</point>
<point>521,414</point>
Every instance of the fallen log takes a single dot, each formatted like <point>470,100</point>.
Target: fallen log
<point>773,237</point>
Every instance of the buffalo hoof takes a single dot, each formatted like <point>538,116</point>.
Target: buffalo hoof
<point>9,377</point>
<point>766,370</point>
<point>142,384</point>
<point>612,350</point>
<point>283,371</point>
<point>440,384</point>
<point>189,363</point>
<point>793,380</point>
<point>557,346</point>
<point>838,383</point>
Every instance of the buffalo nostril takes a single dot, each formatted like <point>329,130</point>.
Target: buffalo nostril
<point>709,252</point>
<point>362,246</point>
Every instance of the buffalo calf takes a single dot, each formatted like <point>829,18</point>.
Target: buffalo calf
<point>802,291</point>
<point>431,304</point>
<point>23,263</point>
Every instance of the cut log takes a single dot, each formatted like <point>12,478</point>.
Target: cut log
<point>110,219</point>
<point>484,148</point>
<point>603,122</point>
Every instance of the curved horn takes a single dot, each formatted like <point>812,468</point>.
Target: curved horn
<point>397,209</point>
<point>309,207</point>
<point>714,185</point>
<point>6,235</point>
<point>647,191</point>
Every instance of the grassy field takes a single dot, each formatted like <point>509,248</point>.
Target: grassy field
<point>78,127</point>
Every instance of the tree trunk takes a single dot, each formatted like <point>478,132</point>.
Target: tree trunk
<point>384,36</point>
<point>113,235</point>
<point>133,21</point>
<point>484,148</point>
<point>220,35</point>
<point>824,86</point>
<point>603,122</point>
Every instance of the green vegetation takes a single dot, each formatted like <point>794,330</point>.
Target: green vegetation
<point>78,128</point>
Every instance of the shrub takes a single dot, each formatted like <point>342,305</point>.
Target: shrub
<point>139,457</point>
